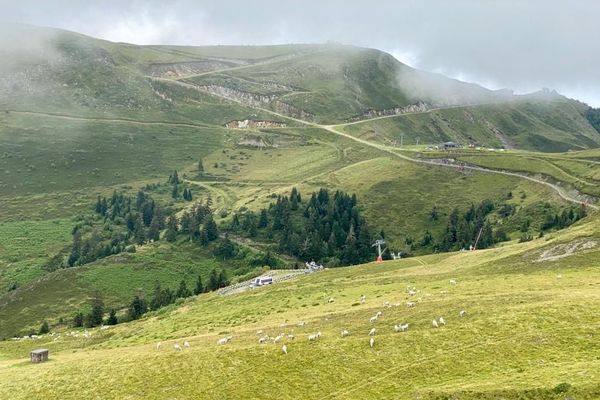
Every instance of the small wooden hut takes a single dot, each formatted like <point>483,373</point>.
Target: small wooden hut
<point>39,355</point>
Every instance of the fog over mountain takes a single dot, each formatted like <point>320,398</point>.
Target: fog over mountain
<point>523,45</point>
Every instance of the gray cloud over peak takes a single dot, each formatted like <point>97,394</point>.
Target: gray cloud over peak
<point>523,45</point>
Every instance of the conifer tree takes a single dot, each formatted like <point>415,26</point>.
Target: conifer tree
<point>199,288</point>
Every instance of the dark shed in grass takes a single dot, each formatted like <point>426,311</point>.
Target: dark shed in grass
<point>39,355</point>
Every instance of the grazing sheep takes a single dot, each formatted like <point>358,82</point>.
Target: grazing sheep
<point>301,323</point>
<point>379,314</point>
<point>158,345</point>
<point>435,324</point>
<point>462,313</point>
<point>410,304</point>
<point>412,292</point>
<point>291,337</point>
<point>453,281</point>
<point>386,304</point>
<point>331,300</point>
<point>441,320</point>
<point>372,332</point>
<point>259,332</point>
<point>363,299</point>
<point>373,319</point>
<point>396,328</point>
<point>222,341</point>
<point>229,338</point>
<point>314,337</point>
<point>262,340</point>
<point>284,349</point>
<point>278,339</point>
<point>403,327</point>
<point>186,344</point>
<point>345,333</point>
<point>372,342</point>
<point>177,347</point>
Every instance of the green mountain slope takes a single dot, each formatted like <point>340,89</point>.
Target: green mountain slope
<point>81,117</point>
<point>528,332</point>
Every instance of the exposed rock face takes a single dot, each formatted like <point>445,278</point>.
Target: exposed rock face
<point>171,70</point>
<point>413,108</point>
<point>246,98</point>
<point>257,100</point>
<point>248,123</point>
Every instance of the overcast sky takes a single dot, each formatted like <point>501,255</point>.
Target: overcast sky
<point>523,45</point>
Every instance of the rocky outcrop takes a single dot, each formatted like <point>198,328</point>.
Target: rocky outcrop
<point>174,70</point>
<point>291,111</point>
<point>413,108</point>
<point>246,98</point>
<point>249,124</point>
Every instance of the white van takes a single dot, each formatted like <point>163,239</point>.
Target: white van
<point>262,280</point>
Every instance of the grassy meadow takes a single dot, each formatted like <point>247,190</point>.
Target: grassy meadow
<point>528,333</point>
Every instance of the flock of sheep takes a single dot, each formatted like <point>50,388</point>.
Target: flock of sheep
<point>313,337</point>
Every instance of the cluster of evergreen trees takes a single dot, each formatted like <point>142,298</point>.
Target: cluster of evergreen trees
<point>95,317</point>
<point>327,228</point>
<point>199,225</point>
<point>462,230</point>
<point>176,192</point>
<point>125,221</point>
<point>566,218</point>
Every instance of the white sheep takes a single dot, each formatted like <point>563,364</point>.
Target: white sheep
<point>290,337</point>
<point>372,332</point>
<point>386,304</point>
<point>403,327</point>
<point>373,319</point>
<point>284,349</point>
<point>331,300</point>
<point>372,342</point>
<point>345,333</point>
<point>379,314</point>
<point>158,345</point>
<point>222,341</point>
<point>177,347</point>
<point>435,324</point>
<point>278,338</point>
<point>259,332</point>
<point>441,321</point>
<point>314,337</point>
<point>262,340</point>
<point>410,304</point>
<point>453,281</point>
<point>186,344</point>
<point>363,299</point>
<point>229,338</point>
<point>396,328</point>
<point>462,313</point>
<point>301,323</point>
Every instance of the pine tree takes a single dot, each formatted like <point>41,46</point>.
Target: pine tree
<point>112,318</point>
<point>183,291</point>
<point>222,279</point>
<point>96,316</point>
<point>199,287</point>
<point>44,328</point>
<point>210,227</point>
<point>175,191</point>
<point>154,229</point>
<point>137,308</point>
<point>171,233</point>
<point>213,280</point>
<point>138,231</point>
<point>263,220</point>
<point>78,320</point>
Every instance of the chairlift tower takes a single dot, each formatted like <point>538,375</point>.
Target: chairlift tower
<point>378,243</point>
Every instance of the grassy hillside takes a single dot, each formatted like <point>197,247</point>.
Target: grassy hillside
<point>81,117</point>
<point>528,333</point>
<point>547,126</point>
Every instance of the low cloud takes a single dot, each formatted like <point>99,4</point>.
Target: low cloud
<point>523,45</point>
